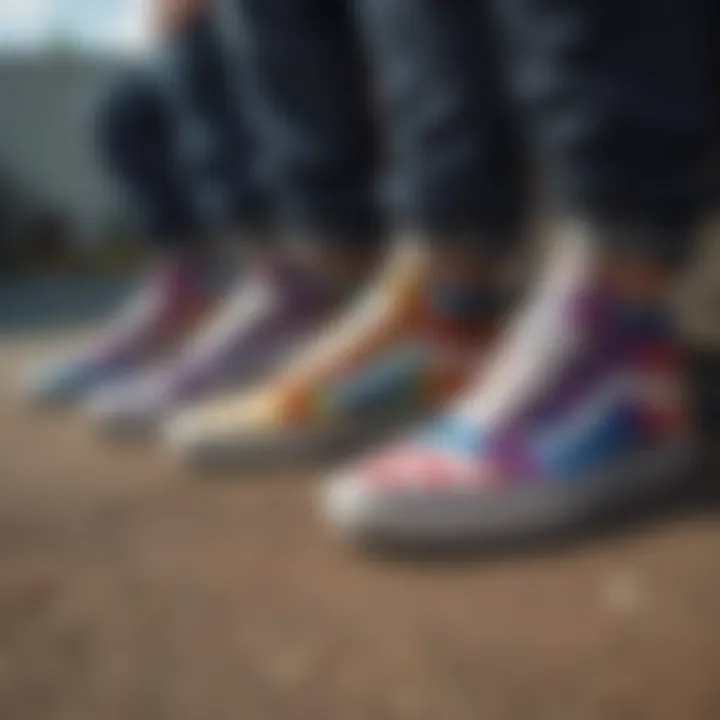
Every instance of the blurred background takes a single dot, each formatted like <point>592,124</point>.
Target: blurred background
<point>58,209</point>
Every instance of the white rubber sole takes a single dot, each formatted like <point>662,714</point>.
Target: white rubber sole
<point>514,510</point>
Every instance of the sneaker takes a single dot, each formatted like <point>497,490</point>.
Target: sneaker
<point>582,406</point>
<point>168,303</point>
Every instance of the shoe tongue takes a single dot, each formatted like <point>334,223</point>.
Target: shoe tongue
<point>302,283</point>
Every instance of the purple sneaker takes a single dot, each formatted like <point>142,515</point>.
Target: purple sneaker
<point>254,330</point>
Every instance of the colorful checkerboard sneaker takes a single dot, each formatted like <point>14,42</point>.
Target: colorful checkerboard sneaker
<point>582,405</point>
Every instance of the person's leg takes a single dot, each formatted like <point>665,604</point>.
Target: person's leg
<point>306,85</point>
<point>305,102</point>
<point>618,98</point>
<point>456,188</point>
<point>304,82</point>
<point>582,403</point>
<point>456,169</point>
<point>216,135</point>
<point>456,191</point>
<point>137,139</point>
<point>456,155</point>
<point>274,301</point>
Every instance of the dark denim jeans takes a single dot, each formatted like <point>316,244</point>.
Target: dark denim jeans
<point>617,98</point>
<point>610,98</point>
<point>452,153</point>
<point>613,99</point>
<point>457,160</point>
<point>303,67</point>
<point>175,135</point>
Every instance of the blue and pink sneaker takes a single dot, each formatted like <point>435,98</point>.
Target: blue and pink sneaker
<point>169,301</point>
<point>582,407</point>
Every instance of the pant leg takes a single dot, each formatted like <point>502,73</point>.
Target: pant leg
<point>310,104</point>
<point>617,97</point>
<point>135,132</point>
<point>218,141</point>
<point>458,163</point>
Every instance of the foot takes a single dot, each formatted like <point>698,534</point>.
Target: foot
<point>391,358</point>
<point>580,406</point>
<point>254,330</point>
<point>167,304</point>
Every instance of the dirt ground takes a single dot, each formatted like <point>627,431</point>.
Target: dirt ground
<point>131,590</point>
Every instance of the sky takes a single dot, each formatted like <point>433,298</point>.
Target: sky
<point>112,24</point>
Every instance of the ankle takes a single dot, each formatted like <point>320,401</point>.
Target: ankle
<point>335,264</point>
<point>637,280</point>
<point>466,285</point>
<point>625,260</point>
<point>465,267</point>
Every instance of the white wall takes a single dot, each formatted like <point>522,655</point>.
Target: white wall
<point>46,107</point>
